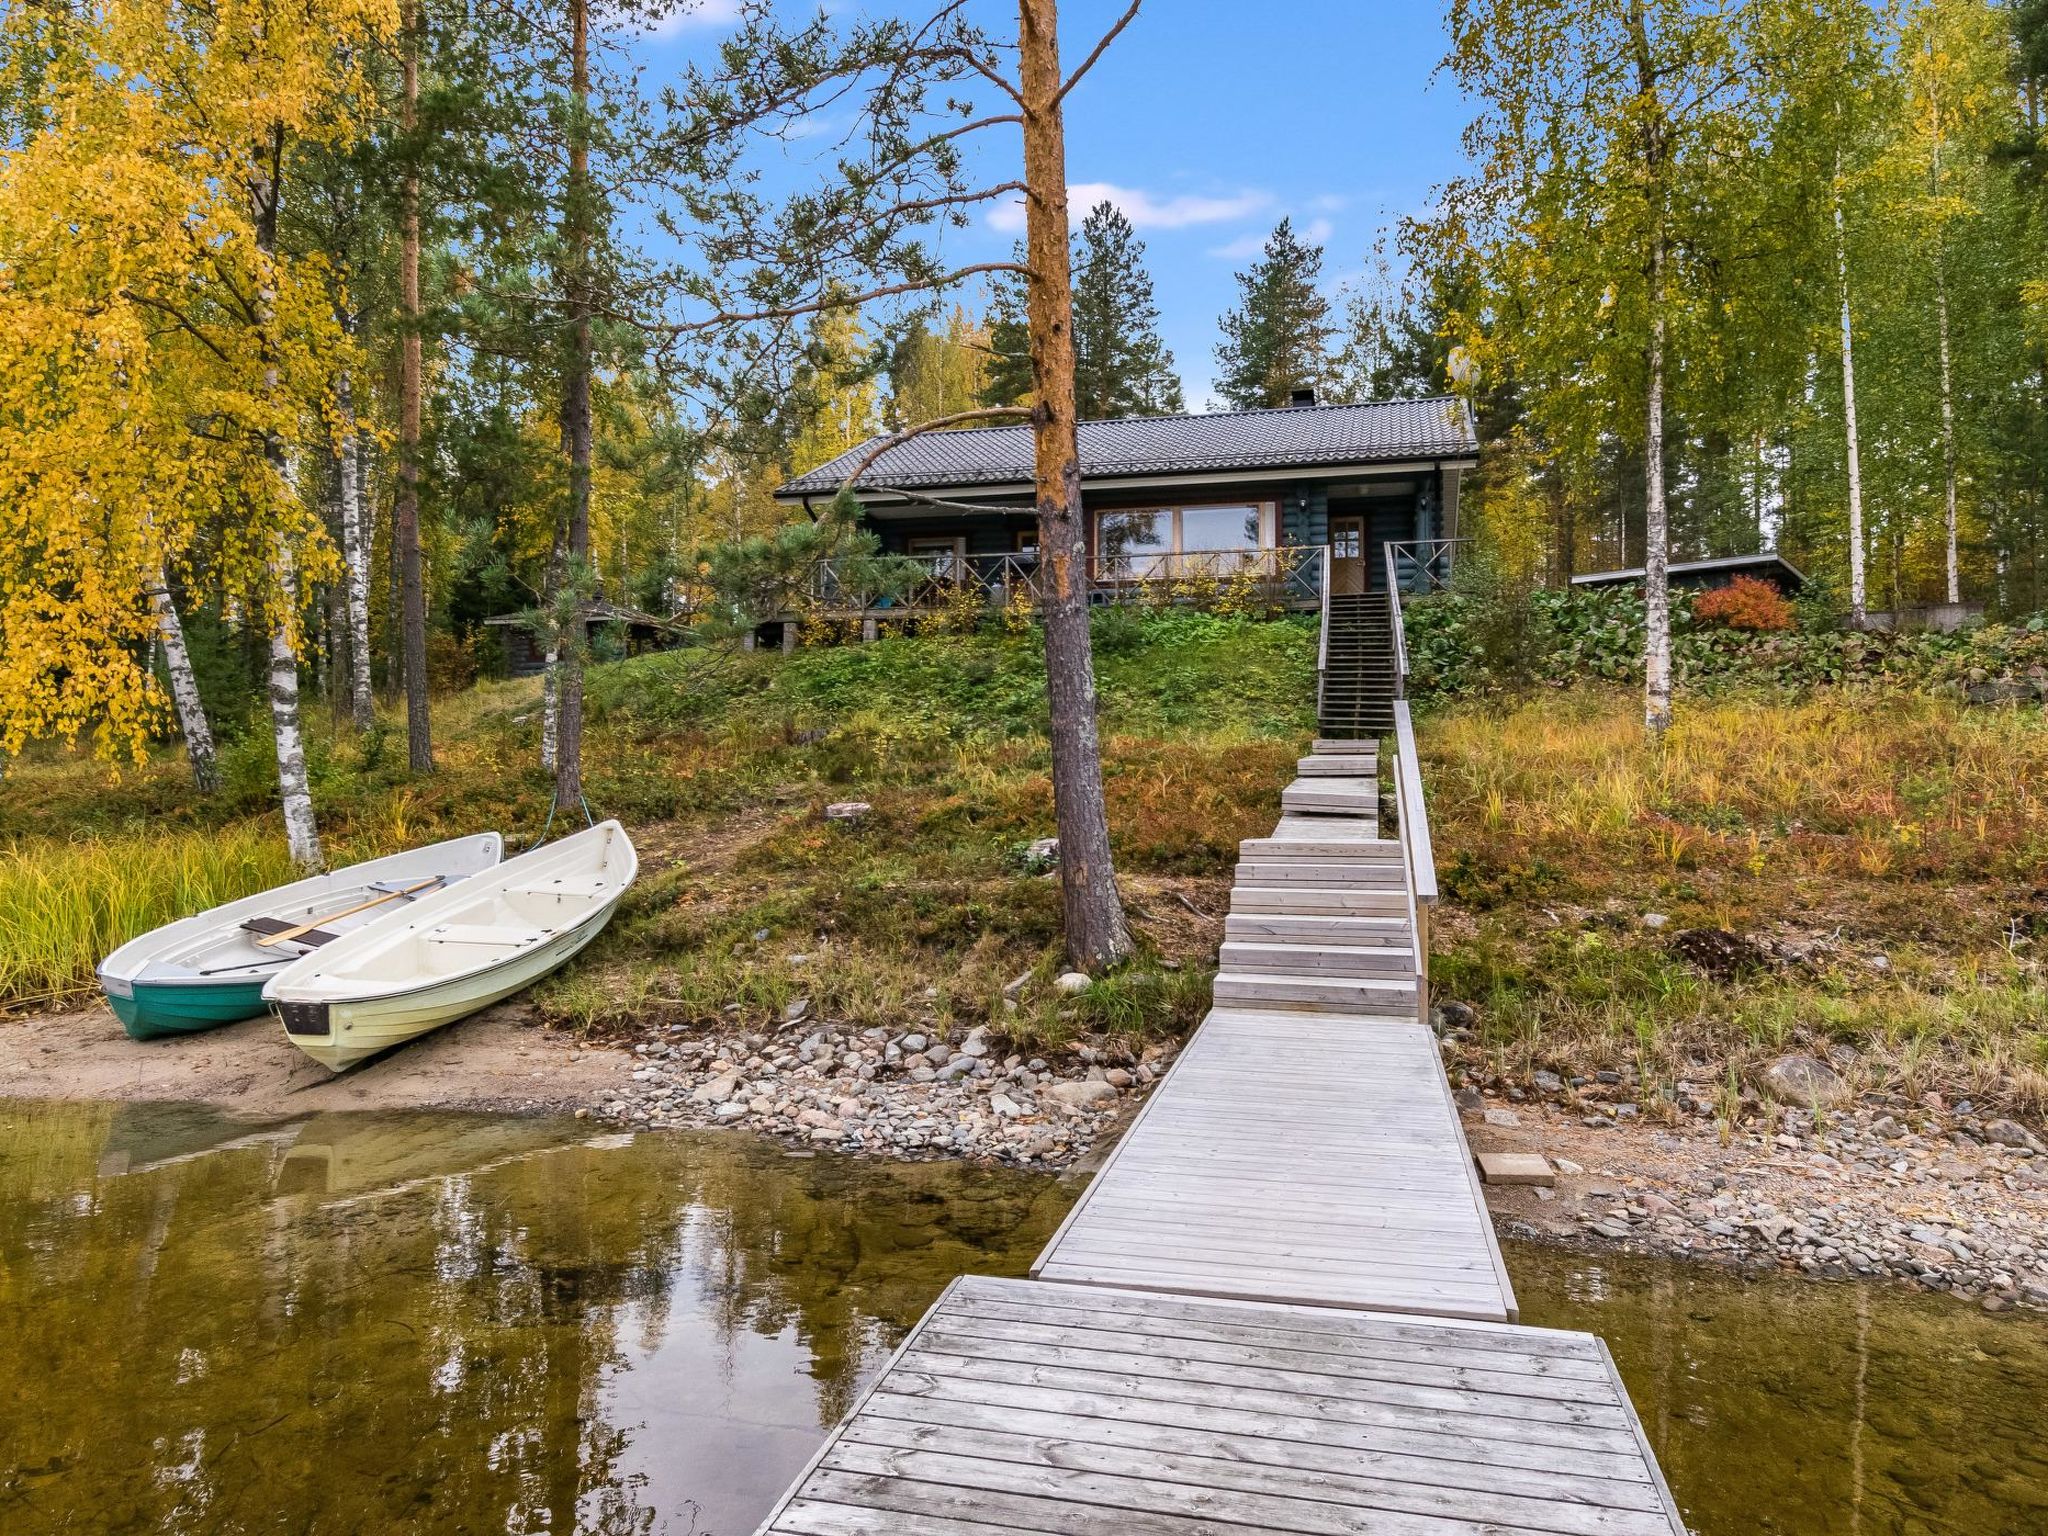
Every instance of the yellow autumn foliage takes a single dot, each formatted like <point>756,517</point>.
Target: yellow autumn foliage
<point>159,363</point>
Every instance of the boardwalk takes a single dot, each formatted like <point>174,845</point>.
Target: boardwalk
<point>1279,1307</point>
<point>1294,1157</point>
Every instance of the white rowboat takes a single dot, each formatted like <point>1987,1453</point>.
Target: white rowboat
<point>452,953</point>
<point>209,969</point>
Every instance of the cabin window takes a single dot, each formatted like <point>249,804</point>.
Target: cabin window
<point>1151,542</point>
<point>947,557</point>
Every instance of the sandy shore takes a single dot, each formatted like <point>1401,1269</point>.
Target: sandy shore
<point>500,1060</point>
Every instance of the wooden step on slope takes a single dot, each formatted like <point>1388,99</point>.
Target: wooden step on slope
<point>1315,846</point>
<point>1310,901</point>
<point>1313,928</point>
<point>1346,829</point>
<point>1342,746</point>
<point>1280,958</point>
<point>1387,999</point>
<point>1332,796</point>
<point>1358,874</point>
<point>1335,765</point>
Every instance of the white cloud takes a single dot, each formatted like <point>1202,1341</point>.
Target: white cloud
<point>1144,210</point>
<point>1246,246</point>
<point>691,15</point>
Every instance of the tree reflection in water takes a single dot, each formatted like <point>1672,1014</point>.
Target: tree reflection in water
<point>438,1322</point>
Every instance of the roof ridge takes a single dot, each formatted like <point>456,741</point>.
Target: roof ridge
<point>1257,410</point>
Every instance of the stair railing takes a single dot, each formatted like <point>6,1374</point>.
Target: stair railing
<point>1411,808</point>
<point>1323,635</point>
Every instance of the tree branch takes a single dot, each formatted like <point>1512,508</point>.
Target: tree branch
<point>937,423</point>
<point>838,300</point>
<point>1101,48</point>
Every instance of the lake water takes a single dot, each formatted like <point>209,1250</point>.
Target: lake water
<point>439,1323</point>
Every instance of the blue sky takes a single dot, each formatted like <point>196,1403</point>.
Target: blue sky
<point>1210,119</point>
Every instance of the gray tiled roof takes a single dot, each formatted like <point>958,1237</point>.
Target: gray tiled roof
<point>1289,438</point>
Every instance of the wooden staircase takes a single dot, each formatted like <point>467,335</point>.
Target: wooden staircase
<point>1320,917</point>
<point>1358,670</point>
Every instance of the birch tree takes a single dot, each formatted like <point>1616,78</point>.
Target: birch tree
<point>1601,130</point>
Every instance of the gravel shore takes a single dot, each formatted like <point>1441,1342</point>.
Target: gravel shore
<point>1930,1194</point>
<point>910,1093</point>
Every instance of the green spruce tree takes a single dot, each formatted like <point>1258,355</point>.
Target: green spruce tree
<point>1277,339</point>
<point>1122,367</point>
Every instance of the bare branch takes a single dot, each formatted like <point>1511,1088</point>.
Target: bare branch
<point>1100,48</point>
<point>840,300</point>
<point>937,423</point>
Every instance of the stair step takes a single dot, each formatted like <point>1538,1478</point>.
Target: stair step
<point>1321,850</point>
<point>1328,765</point>
<point>1314,962</point>
<point>1365,875</point>
<point>1344,744</point>
<point>1310,928</point>
<point>1333,829</point>
<point>1393,999</point>
<point>1311,901</point>
<point>1342,796</point>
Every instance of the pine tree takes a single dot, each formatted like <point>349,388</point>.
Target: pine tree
<point>1277,339</point>
<point>1008,380</point>
<point>1121,366</point>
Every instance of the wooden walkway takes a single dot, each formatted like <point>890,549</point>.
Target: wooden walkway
<point>1279,1306</point>
<point>1022,1407</point>
<point>1300,1158</point>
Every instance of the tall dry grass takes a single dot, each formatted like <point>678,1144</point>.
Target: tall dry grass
<point>1856,783</point>
<point>65,905</point>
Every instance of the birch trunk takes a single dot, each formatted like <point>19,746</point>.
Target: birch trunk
<point>406,518</point>
<point>355,556</point>
<point>1948,399</point>
<point>192,722</point>
<point>1656,522</point>
<point>1948,437</point>
<point>301,833</point>
<point>576,428</point>
<point>1859,602</point>
<point>1096,932</point>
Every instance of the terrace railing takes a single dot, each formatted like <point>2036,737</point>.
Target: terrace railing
<point>1289,576</point>
<point>1411,806</point>
<point>1421,566</point>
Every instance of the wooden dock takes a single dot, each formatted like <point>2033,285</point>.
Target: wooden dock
<point>1296,1158</point>
<point>1279,1306</point>
<point>1016,1406</point>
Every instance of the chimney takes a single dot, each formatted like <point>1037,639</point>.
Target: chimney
<point>1303,396</point>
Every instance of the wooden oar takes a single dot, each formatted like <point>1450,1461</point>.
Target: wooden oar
<point>269,939</point>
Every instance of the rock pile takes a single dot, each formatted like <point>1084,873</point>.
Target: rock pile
<point>913,1093</point>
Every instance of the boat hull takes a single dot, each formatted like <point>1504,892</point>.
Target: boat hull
<point>154,1010</point>
<point>357,1029</point>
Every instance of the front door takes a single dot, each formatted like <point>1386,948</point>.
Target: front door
<point>1347,554</point>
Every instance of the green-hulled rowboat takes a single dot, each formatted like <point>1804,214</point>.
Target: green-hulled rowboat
<point>208,970</point>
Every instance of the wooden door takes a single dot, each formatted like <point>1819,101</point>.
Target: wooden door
<point>1347,554</point>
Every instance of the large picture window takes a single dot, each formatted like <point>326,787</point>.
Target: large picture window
<point>1155,543</point>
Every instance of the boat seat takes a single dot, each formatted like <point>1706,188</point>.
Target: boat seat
<point>568,885</point>
<point>499,935</point>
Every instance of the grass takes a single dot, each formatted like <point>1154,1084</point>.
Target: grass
<point>749,898</point>
<point>65,905</point>
<point>1875,854</point>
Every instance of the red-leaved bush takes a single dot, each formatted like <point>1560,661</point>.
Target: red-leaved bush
<point>1745,603</point>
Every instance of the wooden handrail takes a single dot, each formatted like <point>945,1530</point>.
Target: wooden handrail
<point>1414,808</point>
<point>1323,639</point>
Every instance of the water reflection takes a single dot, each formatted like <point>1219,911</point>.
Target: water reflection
<point>439,1323</point>
<point>359,1323</point>
<point>1784,1406</point>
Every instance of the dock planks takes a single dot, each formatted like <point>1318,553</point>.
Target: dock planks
<point>1293,1157</point>
<point>1021,1407</point>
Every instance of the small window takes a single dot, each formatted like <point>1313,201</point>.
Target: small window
<point>947,557</point>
